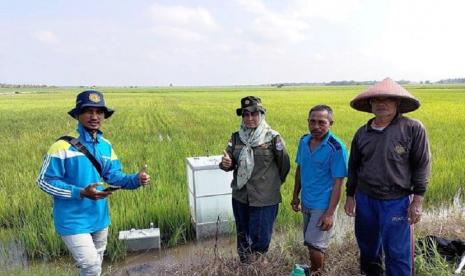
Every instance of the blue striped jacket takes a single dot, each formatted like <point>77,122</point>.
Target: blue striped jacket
<point>66,171</point>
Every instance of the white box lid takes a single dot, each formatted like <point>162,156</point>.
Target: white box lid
<point>134,234</point>
<point>204,162</point>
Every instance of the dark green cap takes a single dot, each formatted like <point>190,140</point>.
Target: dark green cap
<point>251,104</point>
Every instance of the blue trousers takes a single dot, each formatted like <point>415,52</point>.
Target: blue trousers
<point>254,227</point>
<point>381,227</point>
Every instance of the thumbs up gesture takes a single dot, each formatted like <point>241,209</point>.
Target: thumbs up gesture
<point>144,177</point>
<point>226,160</point>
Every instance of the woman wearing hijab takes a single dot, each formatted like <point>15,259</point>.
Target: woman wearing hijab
<point>260,162</point>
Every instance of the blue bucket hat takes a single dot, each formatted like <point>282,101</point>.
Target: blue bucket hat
<point>90,98</point>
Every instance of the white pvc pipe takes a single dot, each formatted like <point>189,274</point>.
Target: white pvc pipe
<point>462,263</point>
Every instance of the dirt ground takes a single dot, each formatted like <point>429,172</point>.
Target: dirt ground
<point>218,257</point>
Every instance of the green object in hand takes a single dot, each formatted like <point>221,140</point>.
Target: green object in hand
<point>112,188</point>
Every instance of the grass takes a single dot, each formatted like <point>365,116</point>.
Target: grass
<point>164,126</point>
<point>287,249</point>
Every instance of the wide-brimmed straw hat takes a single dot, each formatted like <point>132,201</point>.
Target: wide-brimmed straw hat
<point>90,98</point>
<point>251,104</point>
<point>386,88</point>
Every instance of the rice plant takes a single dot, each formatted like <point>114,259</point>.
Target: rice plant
<point>163,126</point>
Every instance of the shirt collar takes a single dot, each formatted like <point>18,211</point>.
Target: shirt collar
<point>86,135</point>
<point>393,122</point>
<point>325,139</point>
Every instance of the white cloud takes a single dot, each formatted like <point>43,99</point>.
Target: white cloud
<point>422,38</point>
<point>318,57</point>
<point>182,23</point>
<point>294,22</point>
<point>331,10</point>
<point>272,26</point>
<point>179,33</point>
<point>278,28</point>
<point>182,16</point>
<point>46,36</point>
<point>232,42</point>
<point>254,6</point>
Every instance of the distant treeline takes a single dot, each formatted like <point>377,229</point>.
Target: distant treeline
<point>332,83</point>
<point>6,85</point>
<point>352,82</point>
<point>458,80</point>
<point>279,85</point>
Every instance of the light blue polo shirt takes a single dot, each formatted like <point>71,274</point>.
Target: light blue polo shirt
<point>318,168</point>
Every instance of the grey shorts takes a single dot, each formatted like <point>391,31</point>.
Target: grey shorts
<point>313,236</point>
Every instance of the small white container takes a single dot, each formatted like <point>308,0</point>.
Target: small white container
<point>209,190</point>
<point>141,239</point>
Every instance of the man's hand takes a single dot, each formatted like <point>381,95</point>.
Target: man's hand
<point>226,161</point>
<point>94,194</point>
<point>144,177</point>
<point>295,203</point>
<point>349,207</point>
<point>326,221</point>
<point>415,209</point>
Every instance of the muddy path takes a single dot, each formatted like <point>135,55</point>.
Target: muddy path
<point>176,260</point>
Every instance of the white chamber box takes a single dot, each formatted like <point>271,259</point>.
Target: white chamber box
<point>209,190</point>
<point>141,239</point>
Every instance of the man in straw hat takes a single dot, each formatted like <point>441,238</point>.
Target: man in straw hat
<point>389,167</point>
<point>73,178</point>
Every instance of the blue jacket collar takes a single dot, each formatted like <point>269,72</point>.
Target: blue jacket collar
<point>86,135</point>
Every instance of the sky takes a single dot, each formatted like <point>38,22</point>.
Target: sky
<point>236,42</point>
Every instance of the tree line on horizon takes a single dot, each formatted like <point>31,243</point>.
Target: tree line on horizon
<point>352,82</point>
<point>278,85</point>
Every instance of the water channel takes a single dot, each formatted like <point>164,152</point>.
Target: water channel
<point>163,261</point>
<point>180,258</point>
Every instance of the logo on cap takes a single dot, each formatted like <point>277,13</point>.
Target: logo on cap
<point>93,97</point>
<point>246,102</point>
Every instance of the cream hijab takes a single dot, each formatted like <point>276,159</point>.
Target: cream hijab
<point>251,137</point>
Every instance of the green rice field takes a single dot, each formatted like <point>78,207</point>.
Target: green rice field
<point>163,126</point>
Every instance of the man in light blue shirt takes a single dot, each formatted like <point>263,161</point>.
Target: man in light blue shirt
<point>321,167</point>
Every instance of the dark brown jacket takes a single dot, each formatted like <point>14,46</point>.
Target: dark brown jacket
<point>271,168</point>
<point>391,163</point>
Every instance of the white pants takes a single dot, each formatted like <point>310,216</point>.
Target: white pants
<point>87,251</point>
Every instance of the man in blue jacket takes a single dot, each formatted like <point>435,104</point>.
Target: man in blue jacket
<point>80,207</point>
